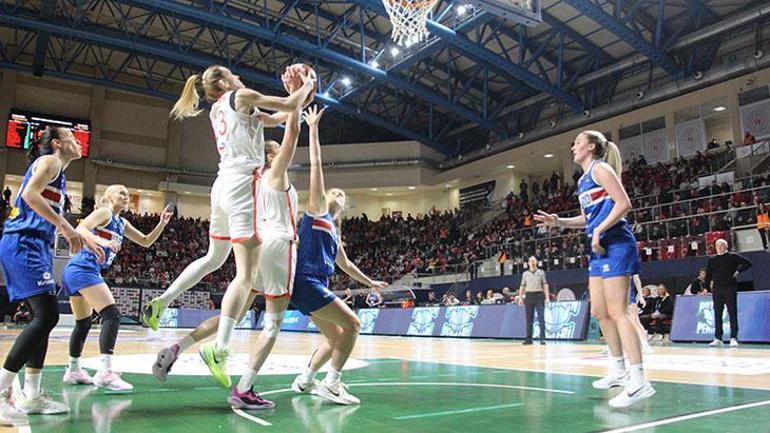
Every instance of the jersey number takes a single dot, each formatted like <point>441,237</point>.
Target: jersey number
<point>220,126</point>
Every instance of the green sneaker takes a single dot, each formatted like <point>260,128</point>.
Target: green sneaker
<point>152,312</point>
<point>216,361</point>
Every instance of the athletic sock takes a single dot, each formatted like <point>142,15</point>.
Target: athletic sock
<point>106,362</point>
<point>74,363</point>
<point>32,384</point>
<point>185,343</point>
<point>332,376</point>
<point>307,374</point>
<point>247,380</point>
<point>224,332</point>
<point>6,379</point>
<point>636,375</point>
<point>617,365</point>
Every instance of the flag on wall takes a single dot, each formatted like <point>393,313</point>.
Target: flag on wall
<point>690,138</point>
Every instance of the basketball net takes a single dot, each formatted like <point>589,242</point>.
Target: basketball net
<point>408,18</point>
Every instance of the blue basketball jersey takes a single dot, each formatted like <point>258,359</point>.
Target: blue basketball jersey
<point>597,204</point>
<point>318,244</point>
<point>112,231</point>
<point>23,219</point>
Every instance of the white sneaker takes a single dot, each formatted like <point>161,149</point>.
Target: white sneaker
<point>606,350</point>
<point>77,377</point>
<point>631,396</point>
<point>335,392</point>
<point>610,381</point>
<point>733,342</point>
<point>303,387</point>
<point>41,404</point>
<point>9,414</point>
<point>716,343</point>
<point>646,348</point>
<point>111,381</point>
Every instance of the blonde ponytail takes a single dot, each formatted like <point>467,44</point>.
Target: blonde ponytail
<point>105,201</point>
<point>187,105</point>
<point>613,158</point>
<point>606,150</point>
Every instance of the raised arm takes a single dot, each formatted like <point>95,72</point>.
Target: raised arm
<point>317,201</point>
<point>146,240</point>
<point>280,164</point>
<point>247,98</point>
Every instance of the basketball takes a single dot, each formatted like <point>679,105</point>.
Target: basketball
<point>295,82</point>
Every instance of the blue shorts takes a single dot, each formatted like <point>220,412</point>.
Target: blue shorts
<point>632,295</point>
<point>78,276</point>
<point>311,293</point>
<point>621,258</point>
<point>27,263</point>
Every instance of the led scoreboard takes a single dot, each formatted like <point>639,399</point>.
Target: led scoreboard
<point>25,127</point>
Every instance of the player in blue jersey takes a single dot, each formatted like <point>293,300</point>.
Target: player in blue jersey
<point>26,256</point>
<point>614,260</point>
<point>320,247</point>
<point>84,284</point>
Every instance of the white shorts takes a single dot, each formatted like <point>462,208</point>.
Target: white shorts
<point>234,207</point>
<point>275,274</point>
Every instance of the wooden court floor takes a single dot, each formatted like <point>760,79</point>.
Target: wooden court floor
<point>417,385</point>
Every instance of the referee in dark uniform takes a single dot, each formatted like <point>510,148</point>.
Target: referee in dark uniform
<point>534,290</point>
<point>721,274</point>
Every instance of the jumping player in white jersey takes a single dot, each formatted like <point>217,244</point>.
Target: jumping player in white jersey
<point>614,260</point>
<point>238,129</point>
<point>277,201</point>
<point>320,248</point>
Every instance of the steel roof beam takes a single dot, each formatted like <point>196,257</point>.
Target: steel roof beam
<point>254,30</point>
<point>105,37</point>
<point>632,38</point>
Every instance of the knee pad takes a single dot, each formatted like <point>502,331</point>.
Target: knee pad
<point>82,326</point>
<point>110,312</point>
<point>272,323</point>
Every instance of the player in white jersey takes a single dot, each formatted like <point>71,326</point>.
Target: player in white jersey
<point>238,128</point>
<point>276,207</point>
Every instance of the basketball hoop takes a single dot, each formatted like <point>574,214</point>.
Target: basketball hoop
<point>408,18</point>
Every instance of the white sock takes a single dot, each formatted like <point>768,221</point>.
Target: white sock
<point>74,364</point>
<point>224,332</point>
<point>332,376</point>
<point>617,365</point>
<point>247,380</point>
<point>308,374</point>
<point>185,343</point>
<point>106,362</point>
<point>6,379</point>
<point>32,384</point>
<point>636,375</point>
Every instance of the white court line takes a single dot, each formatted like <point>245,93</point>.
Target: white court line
<point>460,384</point>
<point>243,414</point>
<point>688,417</point>
<point>457,412</point>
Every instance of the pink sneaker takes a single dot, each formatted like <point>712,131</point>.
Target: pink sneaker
<point>77,377</point>
<point>248,400</point>
<point>111,381</point>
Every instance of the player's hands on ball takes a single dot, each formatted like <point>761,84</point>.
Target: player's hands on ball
<point>596,247</point>
<point>546,219</point>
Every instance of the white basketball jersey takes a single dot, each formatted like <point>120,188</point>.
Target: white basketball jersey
<point>240,137</point>
<point>276,212</point>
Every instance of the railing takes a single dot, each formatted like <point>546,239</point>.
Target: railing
<point>687,236</point>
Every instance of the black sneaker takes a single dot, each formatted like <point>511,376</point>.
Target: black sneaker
<point>527,342</point>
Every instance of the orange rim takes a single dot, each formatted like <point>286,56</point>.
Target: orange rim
<point>417,4</point>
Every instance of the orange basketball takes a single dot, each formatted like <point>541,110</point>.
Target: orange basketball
<point>295,82</point>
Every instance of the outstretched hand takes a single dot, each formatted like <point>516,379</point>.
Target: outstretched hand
<point>546,219</point>
<point>166,215</point>
<point>313,115</point>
